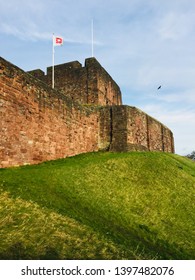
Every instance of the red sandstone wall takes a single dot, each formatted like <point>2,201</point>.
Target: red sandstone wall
<point>39,124</point>
<point>132,129</point>
<point>101,85</point>
<point>36,124</point>
<point>119,128</point>
<point>105,128</point>
<point>168,140</point>
<point>137,136</point>
<point>71,79</point>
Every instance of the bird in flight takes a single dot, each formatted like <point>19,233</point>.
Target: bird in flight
<point>158,87</point>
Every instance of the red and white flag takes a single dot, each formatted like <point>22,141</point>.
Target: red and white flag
<point>57,41</point>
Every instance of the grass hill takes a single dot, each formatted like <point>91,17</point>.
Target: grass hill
<point>137,205</point>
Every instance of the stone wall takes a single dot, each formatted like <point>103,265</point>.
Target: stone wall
<point>38,123</point>
<point>126,128</point>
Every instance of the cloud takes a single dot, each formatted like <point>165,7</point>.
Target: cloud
<point>25,33</point>
<point>180,97</point>
<point>176,26</point>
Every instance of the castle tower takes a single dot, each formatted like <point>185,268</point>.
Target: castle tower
<point>90,84</point>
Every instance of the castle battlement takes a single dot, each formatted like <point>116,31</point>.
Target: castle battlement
<point>88,84</point>
<point>84,113</point>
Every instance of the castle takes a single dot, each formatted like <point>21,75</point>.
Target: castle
<point>84,113</point>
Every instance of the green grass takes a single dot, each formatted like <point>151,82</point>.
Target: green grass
<point>137,205</point>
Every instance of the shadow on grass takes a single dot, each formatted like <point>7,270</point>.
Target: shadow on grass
<point>17,251</point>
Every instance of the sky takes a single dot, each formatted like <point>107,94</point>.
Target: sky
<point>141,44</point>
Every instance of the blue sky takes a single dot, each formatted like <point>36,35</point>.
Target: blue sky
<point>142,44</point>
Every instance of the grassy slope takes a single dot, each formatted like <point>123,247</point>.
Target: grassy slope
<point>136,205</point>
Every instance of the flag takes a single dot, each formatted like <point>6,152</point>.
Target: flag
<point>57,41</point>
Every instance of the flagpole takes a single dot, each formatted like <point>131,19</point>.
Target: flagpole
<point>53,61</point>
<point>92,47</point>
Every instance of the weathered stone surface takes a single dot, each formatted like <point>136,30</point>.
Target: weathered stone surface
<point>38,123</point>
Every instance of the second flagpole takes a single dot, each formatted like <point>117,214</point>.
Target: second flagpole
<point>92,39</point>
